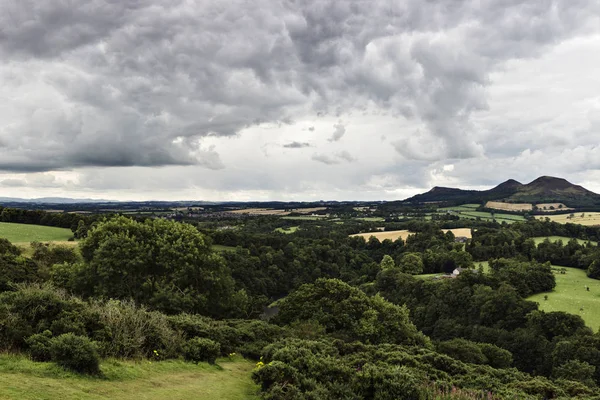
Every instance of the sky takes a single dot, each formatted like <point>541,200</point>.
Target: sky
<point>295,99</point>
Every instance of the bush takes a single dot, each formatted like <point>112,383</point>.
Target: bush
<point>201,349</point>
<point>39,346</point>
<point>76,353</point>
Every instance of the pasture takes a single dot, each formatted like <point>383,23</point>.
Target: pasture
<point>220,247</point>
<point>23,379</point>
<point>499,217</point>
<point>462,207</point>
<point>287,230</point>
<point>25,233</point>
<point>564,239</point>
<point>272,211</point>
<point>583,218</point>
<point>404,234</point>
<point>570,296</point>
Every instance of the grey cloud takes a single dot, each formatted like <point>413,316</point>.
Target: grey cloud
<point>296,145</point>
<point>340,130</point>
<point>13,183</point>
<point>311,128</point>
<point>325,159</point>
<point>137,83</point>
<point>344,155</point>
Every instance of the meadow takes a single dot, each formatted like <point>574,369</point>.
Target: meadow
<point>23,379</point>
<point>583,218</point>
<point>288,230</point>
<point>25,233</point>
<point>564,239</point>
<point>570,295</point>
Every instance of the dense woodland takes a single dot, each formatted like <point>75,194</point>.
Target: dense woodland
<point>326,316</point>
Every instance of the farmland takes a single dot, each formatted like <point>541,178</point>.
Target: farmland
<point>468,211</point>
<point>404,234</point>
<point>571,296</point>
<point>584,218</point>
<point>23,379</point>
<point>272,211</point>
<point>564,239</point>
<point>498,205</point>
<point>25,233</point>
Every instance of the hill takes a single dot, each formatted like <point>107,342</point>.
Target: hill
<point>545,189</point>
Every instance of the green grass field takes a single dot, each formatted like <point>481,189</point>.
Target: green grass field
<point>23,379</point>
<point>564,239</point>
<point>291,229</point>
<point>304,218</point>
<point>371,219</point>
<point>25,233</point>
<point>463,207</point>
<point>570,296</point>
<point>220,247</point>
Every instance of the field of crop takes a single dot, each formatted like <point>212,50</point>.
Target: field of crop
<point>393,235</point>
<point>371,219</point>
<point>552,207</point>
<point>564,239</point>
<point>272,211</point>
<point>584,218</point>
<point>23,379</point>
<point>498,205</point>
<point>570,296</point>
<point>25,233</point>
<point>305,217</point>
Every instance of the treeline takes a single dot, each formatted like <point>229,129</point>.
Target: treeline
<point>38,217</point>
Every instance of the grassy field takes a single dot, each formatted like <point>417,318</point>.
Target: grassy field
<point>371,219</point>
<point>291,229</point>
<point>220,247</point>
<point>589,218</point>
<point>570,296</point>
<point>463,207</point>
<point>25,233</point>
<point>564,239</point>
<point>508,218</point>
<point>23,379</point>
<point>305,217</point>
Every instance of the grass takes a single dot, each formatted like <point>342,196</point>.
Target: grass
<point>570,296</point>
<point>291,229</point>
<point>371,219</point>
<point>25,233</point>
<point>463,207</point>
<point>220,247</point>
<point>23,379</point>
<point>588,219</point>
<point>305,218</point>
<point>564,239</point>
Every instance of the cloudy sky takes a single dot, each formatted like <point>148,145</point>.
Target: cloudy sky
<point>295,99</point>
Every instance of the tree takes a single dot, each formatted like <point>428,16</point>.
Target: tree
<point>167,265</point>
<point>387,262</point>
<point>411,263</point>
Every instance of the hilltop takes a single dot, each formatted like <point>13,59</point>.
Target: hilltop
<point>545,189</point>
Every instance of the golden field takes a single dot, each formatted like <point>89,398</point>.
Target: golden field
<point>393,235</point>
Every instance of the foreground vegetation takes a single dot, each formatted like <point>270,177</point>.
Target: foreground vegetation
<point>351,319</point>
<point>22,379</point>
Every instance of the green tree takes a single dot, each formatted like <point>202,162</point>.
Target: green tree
<point>411,263</point>
<point>164,264</point>
<point>387,262</point>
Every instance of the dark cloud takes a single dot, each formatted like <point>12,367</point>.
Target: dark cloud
<point>296,145</point>
<point>344,155</point>
<point>143,83</point>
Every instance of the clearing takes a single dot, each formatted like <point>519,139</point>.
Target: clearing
<point>288,230</point>
<point>393,235</point>
<point>584,218</point>
<point>23,379</point>
<point>570,296</point>
<point>564,239</point>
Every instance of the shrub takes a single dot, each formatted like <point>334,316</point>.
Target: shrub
<point>39,346</point>
<point>76,353</point>
<point>201,349</point>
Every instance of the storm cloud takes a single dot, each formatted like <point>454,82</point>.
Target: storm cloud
<point>156,83</point>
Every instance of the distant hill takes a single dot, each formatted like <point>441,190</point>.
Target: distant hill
<point>545,189</point>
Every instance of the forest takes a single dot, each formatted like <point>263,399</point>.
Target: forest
<point>323,315</point>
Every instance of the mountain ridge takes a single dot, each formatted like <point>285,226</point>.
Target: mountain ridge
<point>544,189</point>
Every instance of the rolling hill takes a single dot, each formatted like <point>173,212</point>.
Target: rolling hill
<point>545,189</point>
